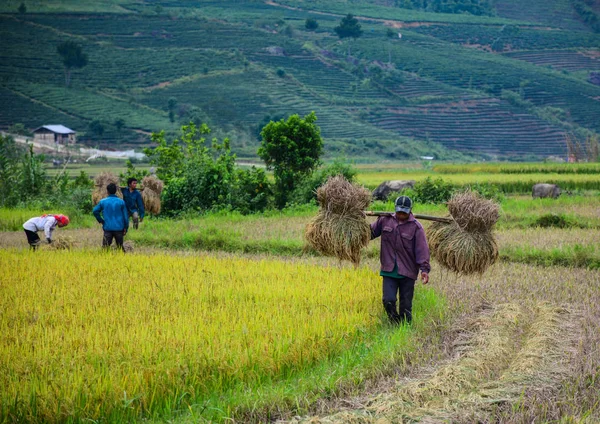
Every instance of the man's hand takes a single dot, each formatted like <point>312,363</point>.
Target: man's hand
<point>125,231</point>
<point>425,277</point>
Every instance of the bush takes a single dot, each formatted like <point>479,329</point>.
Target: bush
<point>311,24</point>
<point>552,220</point>
<point>252,192</point>
<point>431,190</point>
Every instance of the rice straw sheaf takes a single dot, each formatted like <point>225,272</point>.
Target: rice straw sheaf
<point>472,212</point>
<point>60,243</point>
<point>101,181</point>
<point>152,188</point>
<point>151,200</point>
<point>153,183</point>
<point>340,228</point>
<point>464,252</point>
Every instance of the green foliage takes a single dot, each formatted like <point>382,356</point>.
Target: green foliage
<point>488,190</point>
<point>132,172</point>
<point>292,149</point>
<point>552,220</point>
<point>431,190</point>
<point>119,123</point>
<point>18,129</point>
<point>349,27</point>
<point>72,56</point>
<point>587,14</point>
<point>9,171</point>
<point>473,7</point>
<point>22,9</point>
<point>252,193</point>
<point>311,24</point>
<point>32,175</point>
<point>201,178</point>
<point>96,127</point>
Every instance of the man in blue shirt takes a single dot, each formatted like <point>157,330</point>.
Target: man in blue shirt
<point>134,202</point>
<point>111,212</point>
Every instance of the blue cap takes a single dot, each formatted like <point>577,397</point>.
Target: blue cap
<point>403,204</point>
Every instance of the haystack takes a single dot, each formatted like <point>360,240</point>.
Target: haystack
<point>152,188</point>
<point>101,181</point>
<point>466,245</point>
<point>340,228</point>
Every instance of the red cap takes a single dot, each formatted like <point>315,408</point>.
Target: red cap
<point>62,219</point>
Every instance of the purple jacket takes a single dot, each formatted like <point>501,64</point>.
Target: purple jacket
<point>402,243</point>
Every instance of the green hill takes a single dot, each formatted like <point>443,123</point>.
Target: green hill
<point>510,82</point>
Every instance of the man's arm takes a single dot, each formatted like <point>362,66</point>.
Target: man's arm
<point>422,253</point>
<point>376,228</point>
<point>49,227</point>
<point>125,216</point>
<point>96,211</point>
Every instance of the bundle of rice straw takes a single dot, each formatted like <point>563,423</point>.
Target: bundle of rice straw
<point>60,243</point>
<point>466,245</point>
<point>340,228</point>
<point>101,181</point>
<point>128,246</point>
<point>152,188</point>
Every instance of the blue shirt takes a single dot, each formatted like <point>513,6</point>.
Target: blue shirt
<point>111,212</point>
<point>133,201</point>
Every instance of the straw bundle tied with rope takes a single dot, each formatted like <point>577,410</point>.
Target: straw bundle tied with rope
<point>60,243</point>
<point>152,188</point>
<point>340,228</point>
<point>101,181</point>
<point>466,245</point>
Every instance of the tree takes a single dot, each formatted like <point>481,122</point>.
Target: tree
<point>292,149</point>
<point>22,9</point>
<point>311,24</point>
<point>96,127</point>
<point>119,124</point>
<point>349,27</point>
<point>171,105</point>
<point>73,58</point>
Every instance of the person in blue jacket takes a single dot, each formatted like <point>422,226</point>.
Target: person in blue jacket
<point>111,212</point>
<point>134,202</point>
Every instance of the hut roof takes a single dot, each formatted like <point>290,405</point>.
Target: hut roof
<point>58,129</point>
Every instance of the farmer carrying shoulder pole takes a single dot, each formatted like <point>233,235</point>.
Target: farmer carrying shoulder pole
<point>134,202</point>
<point>404,251</point>
<point>111,212</point>
<point>46,223</point>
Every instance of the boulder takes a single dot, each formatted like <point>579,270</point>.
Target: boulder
<point>545,190</point>
<point>386,188</point>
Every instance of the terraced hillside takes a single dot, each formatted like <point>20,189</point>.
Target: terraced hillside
<point>510,85</point>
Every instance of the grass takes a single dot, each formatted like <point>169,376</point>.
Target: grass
<point>215,337</point>
<point>13,219</point>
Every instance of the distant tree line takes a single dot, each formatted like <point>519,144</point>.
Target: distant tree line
<point>587,14</point>
<point>473,7</point>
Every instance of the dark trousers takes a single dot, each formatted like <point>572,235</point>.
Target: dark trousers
<point>108,238</point>
<point>406,288</point>
<point>33,239</point>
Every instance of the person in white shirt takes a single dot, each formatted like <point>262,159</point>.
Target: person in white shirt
<point>46,223</point>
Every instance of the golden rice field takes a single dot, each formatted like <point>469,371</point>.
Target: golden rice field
<point>87,335</point>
